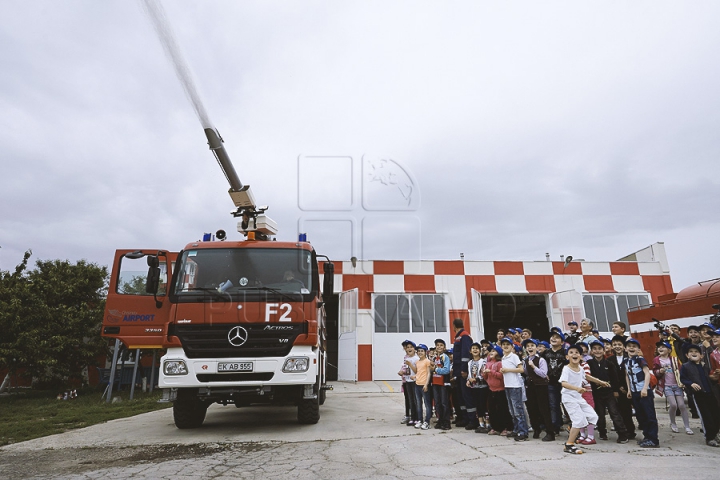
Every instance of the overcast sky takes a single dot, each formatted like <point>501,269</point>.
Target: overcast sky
<point>386,130</point>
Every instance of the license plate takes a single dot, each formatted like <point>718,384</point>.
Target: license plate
<point>235,367</point>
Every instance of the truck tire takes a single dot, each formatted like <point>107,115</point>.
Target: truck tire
<point>323,396</point>
<point>309,411</point>
<point>188,411</point>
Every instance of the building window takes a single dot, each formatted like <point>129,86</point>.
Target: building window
<point>403,313</point>
<point>605,309</point>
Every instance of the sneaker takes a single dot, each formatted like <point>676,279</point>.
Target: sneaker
<point>648,444</point>
<point>689,431</point>
<point>438,426</point>
<point>631,436</point>
<point>588,441</point>
<point>425,426</point>
<point>622,439</point>
<point>549,437</point>
<point>712,443</point>
<point>522,437</point>
<point>481,429</point>
<point>445,426</point>
<point>410,423</point>
<point>571,448</point>
<point>493,432</point>
<point>536,434</point>
<point>405,420</point>
<point>418,424</point>
<point>673,428</point>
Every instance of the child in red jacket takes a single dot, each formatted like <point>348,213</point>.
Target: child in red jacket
<point>500,420</point>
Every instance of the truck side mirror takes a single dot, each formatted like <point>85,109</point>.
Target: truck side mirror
<point>328,280</point>
<point>153,277</point>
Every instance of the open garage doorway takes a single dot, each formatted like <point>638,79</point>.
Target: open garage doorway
<point>515,311</point>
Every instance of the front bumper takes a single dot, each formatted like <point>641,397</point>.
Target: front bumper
<point>266,371</point>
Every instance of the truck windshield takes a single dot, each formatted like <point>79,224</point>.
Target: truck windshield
<point>284,272</point>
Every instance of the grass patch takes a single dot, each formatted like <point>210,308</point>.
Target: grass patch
<point>25,415</point>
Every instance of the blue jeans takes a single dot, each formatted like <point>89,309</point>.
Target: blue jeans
<point>442,404</point>
<point>412,397</point>
<point>517,412</point>
<point>555,411</point>
<point>645,412</point>
<point>423,397</point>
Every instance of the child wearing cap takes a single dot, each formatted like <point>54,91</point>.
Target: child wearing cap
<point>694,377</point>
<point>408,384</point>
<point>573,335</point>
<point>500,421</point>
<point>637,381</point>
<point>625,404</point>
<point>581,414</point>
<point>512,378</point>
<point>422,380</point>
<point>667,371</point>
<point>605,396</point>
<point>542,346</point>
<point>714,364</point>
<point>536,388</point>
<point>478,386</point>
<point>441,385</point>
<point>555,357</point>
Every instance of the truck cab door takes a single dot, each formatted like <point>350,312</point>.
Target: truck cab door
<point>137,318</point>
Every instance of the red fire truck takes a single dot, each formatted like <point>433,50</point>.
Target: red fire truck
<point>242,322</point>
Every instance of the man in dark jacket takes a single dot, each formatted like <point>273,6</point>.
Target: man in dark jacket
<point>461,357</point>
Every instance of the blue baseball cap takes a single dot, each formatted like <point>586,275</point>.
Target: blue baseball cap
<point>663,344</point>
<point>518,348</point>
<point>632,340</point>
<point>498,350</point>
<point>512,330</point>
<point>530,340</point>
<point>583,343</point>
<point>544,344</point>
<point>559,333</point>
<point>408,342</point>
<point>572,322</point>
<point>596,342</point>
<point>506,339</point>
<point>422,346</point>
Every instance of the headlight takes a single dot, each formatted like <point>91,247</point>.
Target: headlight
<point>175,367</point>
<point>296,364</point>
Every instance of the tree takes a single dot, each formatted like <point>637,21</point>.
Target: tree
<point>50,318</point>
<point>136,286</point>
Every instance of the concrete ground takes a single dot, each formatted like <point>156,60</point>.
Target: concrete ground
<point>359,436</point>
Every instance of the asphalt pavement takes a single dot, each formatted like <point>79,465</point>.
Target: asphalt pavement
<point>359,436</point>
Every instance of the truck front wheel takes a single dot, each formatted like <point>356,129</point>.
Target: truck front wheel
<point>309,411</point>
<point>188,410</point>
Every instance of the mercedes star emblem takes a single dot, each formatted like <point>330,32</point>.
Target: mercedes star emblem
<point>237,336</point>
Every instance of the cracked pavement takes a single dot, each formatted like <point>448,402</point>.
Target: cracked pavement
<point>359,436</point>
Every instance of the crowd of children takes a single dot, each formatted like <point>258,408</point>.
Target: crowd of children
<point>518,385</point>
